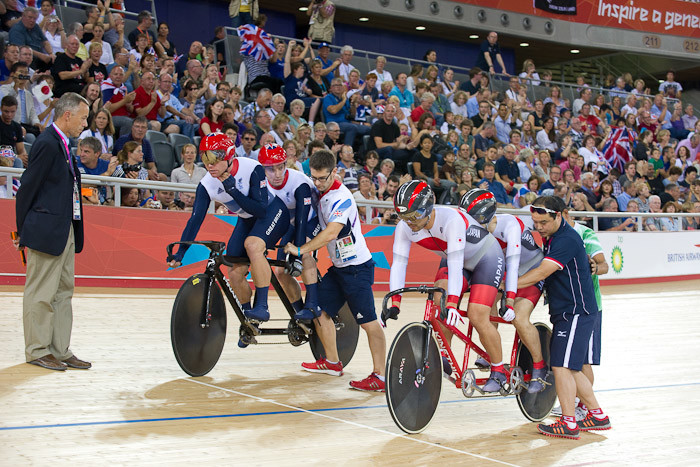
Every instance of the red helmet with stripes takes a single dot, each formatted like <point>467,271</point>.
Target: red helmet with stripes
<point>480,204</point>
<point>216,147</point>
<point>272,154</point>
<point>414,200</point>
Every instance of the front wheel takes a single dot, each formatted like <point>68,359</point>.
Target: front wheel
<point>197,348</point>
<point>536,406</point>
<point>346,336</point>
<point>412,389</point>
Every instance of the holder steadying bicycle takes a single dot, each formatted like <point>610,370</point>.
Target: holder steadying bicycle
<point>414,368</point>
<point>198,320</point>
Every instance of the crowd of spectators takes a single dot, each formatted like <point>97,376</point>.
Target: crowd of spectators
<point>420,123</point>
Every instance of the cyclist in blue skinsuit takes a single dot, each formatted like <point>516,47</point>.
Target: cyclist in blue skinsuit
<point>263,219</point>
<point>294,189</point>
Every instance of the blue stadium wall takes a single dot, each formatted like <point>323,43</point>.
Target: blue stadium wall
<point>191,21</point>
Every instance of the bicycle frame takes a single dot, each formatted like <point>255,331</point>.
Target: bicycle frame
<point>213,272</point>
<point>431,318</point>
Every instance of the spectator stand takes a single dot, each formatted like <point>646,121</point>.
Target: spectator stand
<point>500,83</point>
<point>72,11</point>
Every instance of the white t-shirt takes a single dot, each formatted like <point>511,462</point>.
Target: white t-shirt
<point>107,57</point>
<point>381,77</point>
<point>338,205</point>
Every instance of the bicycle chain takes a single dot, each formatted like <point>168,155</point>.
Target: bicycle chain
<point>272,343</point>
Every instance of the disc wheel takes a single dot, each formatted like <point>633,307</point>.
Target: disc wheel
<point>536,406</point>
<point>413,393</point>
<point>197,349</point>
<point>346,337</point>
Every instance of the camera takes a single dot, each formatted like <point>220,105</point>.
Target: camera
<point>179,204</point>
<point>126,167</point>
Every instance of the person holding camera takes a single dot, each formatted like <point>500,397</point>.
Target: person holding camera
<point>129,162</point>
<point>321,15</point>
<point>55,34</point>
<point>19,89</point>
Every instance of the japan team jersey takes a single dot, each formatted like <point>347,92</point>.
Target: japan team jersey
<point>249,173</point>
<point>593,247</point>
<point>570,288</point>
<point>338,205</point>
<point>521,251</point>
<point>455,236</point>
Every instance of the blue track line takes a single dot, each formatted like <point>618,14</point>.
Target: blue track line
<point>285,412</point>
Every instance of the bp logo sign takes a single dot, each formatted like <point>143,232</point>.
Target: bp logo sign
<point>617,260</point>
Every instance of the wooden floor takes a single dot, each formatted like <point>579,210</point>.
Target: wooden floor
<point>258,408</point>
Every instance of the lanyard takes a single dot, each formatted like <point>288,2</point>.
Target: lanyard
<point>69,159</point>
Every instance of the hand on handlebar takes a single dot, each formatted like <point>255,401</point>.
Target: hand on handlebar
<point>509,314</point>
<point>294,266</point>
<point>453,317</point>
<point>391,313</point>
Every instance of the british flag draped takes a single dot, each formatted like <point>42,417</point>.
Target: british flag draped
<point>618,148</point>
<point>255,42</point>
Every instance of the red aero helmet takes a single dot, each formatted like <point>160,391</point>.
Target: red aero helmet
<point>216,146</point>
<point>272,154</point>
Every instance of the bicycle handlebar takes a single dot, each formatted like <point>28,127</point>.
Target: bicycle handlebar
<point>217,251</point>
<point>216,248</point>
<point>420,289</point>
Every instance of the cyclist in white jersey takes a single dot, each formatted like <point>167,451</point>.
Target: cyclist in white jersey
<point>294,189</point>
<point>464,246</point>
<point>350,278</point>
<point>240,184</point>
<point>521,254</point>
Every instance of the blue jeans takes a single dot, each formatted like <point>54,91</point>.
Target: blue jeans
<point>242,18</point>
<point>351,130</point>
<point>187,129</point>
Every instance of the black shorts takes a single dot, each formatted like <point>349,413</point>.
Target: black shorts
<point>269,228</point>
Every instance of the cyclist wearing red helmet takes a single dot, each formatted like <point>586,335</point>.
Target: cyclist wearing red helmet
<point>521,255</point>
<point>294,189</point>
<point>239,183</point>
<point>470,255</point>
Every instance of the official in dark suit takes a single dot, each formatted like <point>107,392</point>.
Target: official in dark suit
<point>50,225</point>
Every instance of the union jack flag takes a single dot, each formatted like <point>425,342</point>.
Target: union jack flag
<point>255,42</point>
<point>6,151</point>
<point>617,150</point>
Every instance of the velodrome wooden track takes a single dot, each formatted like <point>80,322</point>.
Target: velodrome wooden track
<point>258,408</point>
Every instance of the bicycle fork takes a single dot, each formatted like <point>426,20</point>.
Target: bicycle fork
<point>420,373</point>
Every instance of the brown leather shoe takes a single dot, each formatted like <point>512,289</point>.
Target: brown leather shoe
<point>49,362</point>
<point>75,362</point>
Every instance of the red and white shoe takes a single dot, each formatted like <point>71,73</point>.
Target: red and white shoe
<point>324,366</point>
<point>370,383</point>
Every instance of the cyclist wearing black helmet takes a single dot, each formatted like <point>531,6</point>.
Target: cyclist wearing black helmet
<point>470,255</point>
<point>521,254</point>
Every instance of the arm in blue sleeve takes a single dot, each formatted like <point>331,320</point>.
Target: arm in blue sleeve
<point>199,211</point>
<point>301,214</point>
<point>255,203</point>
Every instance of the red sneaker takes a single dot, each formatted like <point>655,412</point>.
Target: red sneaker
<point>370,383</point>
<point>324,366</point>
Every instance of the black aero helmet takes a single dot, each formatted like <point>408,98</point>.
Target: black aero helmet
<point>480,204</point>
<point>414,200</point>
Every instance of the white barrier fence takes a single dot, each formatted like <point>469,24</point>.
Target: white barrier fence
<point>119,183</point>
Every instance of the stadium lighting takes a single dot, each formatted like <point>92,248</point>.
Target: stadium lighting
<point>575,51</point>
<point>364,19</point>
<point>420,28</point>
<point>303,8</point>
<point>474,36</point>
<point>524,44</point>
